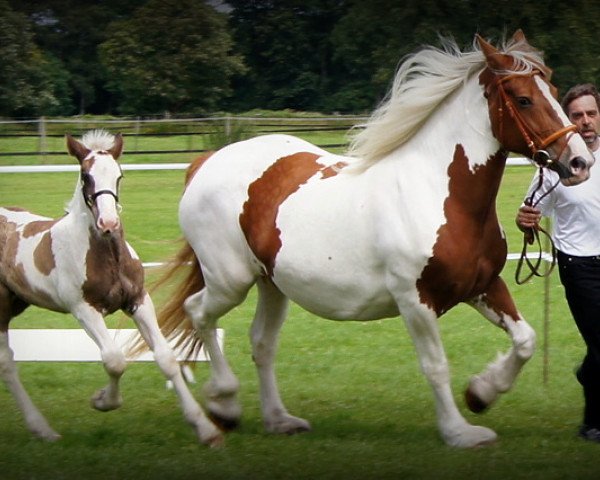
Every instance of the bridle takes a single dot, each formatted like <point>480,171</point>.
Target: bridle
<point>90,200</point>
<point>541,157</point>
<point>534,142</point>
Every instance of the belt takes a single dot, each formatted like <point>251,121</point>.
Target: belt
<point>568,257</point>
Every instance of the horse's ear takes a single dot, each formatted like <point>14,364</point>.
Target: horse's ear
<point>519,36</point>
<point>493,57</point>
<point>117,147</point>
<point>76,149</point>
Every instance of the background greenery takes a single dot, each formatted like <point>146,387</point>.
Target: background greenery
<point>358,383</point>
<point>152,57</point>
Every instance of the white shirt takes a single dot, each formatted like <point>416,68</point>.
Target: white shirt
<point>575,211</point>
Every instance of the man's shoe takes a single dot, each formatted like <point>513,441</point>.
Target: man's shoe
<point>591,434</point>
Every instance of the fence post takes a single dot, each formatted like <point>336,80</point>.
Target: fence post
<point>43,144</point>
<point>546,329</point>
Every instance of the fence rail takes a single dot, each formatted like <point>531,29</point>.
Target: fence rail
<point>185,135</point>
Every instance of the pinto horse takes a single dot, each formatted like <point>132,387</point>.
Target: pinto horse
<point>81,264</point>
<point>405,224</point>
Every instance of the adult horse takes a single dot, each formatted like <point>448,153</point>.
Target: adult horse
<point>406,224</point>
<point>81,264</point>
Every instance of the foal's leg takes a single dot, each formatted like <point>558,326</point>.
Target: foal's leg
<point>498,307</point>
<point>145,319</point>
<point>35,421</point>
<point>271,312</point>
<point>455,430</point>
<point>109,397</point>
<point>204,309</point>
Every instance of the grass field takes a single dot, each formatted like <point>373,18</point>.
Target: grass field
<point>358,383</point>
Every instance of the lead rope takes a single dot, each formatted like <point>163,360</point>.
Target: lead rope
<point>532,236</point>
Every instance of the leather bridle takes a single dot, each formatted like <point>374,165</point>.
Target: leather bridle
<point>534,142</point>
<point>540,156</point>
<point>90,200</point>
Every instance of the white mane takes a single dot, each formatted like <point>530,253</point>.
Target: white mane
<point>422,82</point>
<point>98,139</point>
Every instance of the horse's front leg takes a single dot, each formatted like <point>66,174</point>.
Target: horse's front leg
<point>145,319</point>
<point>113,359</point>
<point>454,428</point>
<point>497,305</point>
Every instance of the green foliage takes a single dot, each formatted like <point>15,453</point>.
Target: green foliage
<point>170,56</point>
<point>32,82</point>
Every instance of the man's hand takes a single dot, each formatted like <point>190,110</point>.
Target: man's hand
<point>528,220</point>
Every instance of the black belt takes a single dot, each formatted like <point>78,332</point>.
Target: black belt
<point>569,258</point>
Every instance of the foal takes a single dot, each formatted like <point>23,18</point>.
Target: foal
<point>81,264</point>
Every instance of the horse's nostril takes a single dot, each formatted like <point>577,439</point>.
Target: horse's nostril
<point>578,163</point>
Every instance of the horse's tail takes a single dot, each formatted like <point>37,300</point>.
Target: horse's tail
<point>172,319</point>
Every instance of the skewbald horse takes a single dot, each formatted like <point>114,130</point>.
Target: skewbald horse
<point>405,224</point>
<point>81,264</point>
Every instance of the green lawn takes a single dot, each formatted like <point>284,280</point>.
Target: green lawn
<point>358,383</point>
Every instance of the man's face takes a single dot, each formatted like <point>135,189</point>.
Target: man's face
<point>583,112</point>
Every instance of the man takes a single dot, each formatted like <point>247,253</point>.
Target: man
<point>575,213</point>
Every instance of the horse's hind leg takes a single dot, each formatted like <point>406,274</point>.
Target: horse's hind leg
<point>204,309</point>
<point>271,312</point>
<point>113,359</point>
<point>145,319</point>
<point>498,307</point>
<point>35,421</point>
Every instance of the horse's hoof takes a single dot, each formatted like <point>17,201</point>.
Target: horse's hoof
<point>471,436</point>
<point>224,423</point>
<point>216,442</point>
<point>288,425</point>
<point>474,403</point>
<point>100,401</point>
<point>47,435</point>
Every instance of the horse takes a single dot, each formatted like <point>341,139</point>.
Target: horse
<point>81,264</point>
<point>404,223</point>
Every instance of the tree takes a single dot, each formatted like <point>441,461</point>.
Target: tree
<point>71,30</point>
<point>32,82</point>
<point>286,45</point>
<point>170,56</point>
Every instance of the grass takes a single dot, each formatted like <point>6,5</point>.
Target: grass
<point>358,383</point>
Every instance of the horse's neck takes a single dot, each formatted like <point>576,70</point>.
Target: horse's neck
<point>78,216</point>
<point>454,153</point>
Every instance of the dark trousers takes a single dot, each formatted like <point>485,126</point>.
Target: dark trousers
<point>580,277</point>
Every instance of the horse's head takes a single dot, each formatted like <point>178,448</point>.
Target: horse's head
<point>526,118</point>
<point>100,174</point>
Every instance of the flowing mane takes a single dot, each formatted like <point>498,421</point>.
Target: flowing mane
<point>423,81</point>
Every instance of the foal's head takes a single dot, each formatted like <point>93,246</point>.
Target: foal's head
<point>100,174</point>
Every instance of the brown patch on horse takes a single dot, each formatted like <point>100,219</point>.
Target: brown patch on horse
<point>259,216</point>
<point>38,226</point>
<point>114,279</point>
<point>470,250</point>
<point>332,170</point>
<point>195,166</point>
<point>43,257</point>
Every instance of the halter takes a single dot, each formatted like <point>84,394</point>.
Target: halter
<point>534,142</point>
<point>91,199</point>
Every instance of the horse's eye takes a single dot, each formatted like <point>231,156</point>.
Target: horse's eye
<point>524,101</point>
